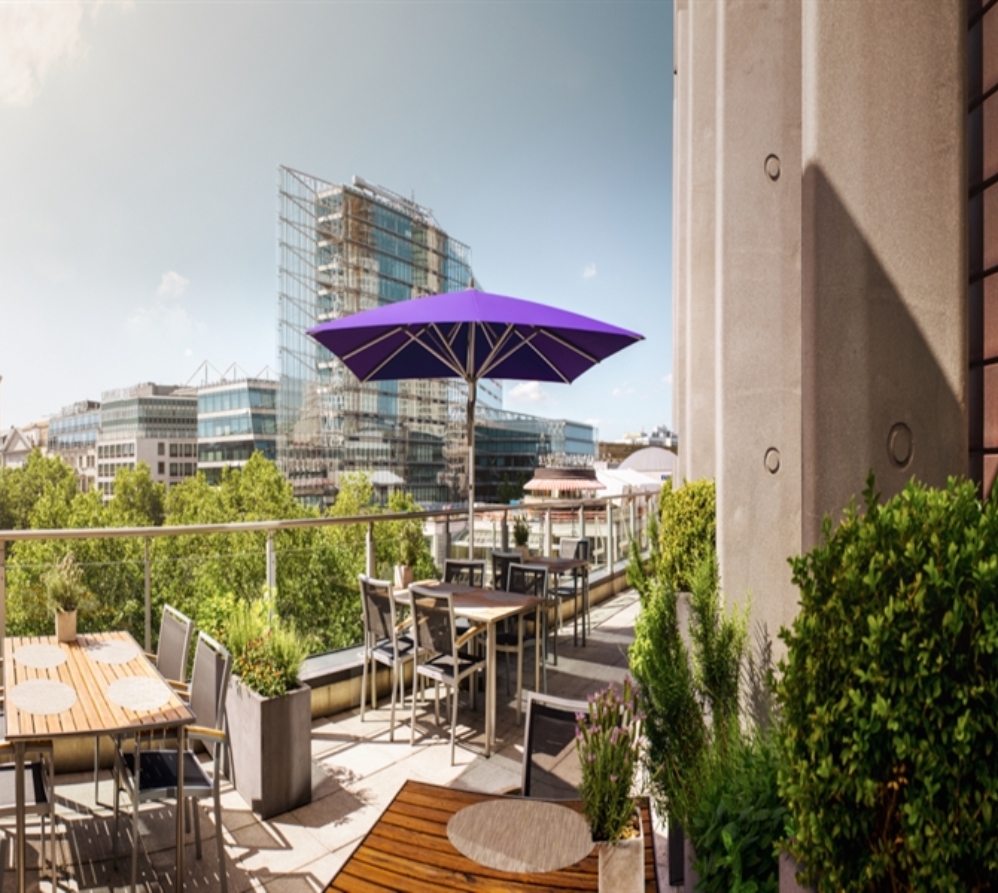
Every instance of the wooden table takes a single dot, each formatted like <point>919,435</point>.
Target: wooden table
<point>577,567</point>
<point>89,668</point>
<point>488,607</point>
<point>408,851</point>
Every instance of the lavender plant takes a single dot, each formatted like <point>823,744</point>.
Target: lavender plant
<point>608,753</point>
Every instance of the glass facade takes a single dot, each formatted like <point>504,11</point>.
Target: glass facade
<point>347,248</point>
<point>235,420</point>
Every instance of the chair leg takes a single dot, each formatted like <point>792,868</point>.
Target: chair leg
<point>453,722</point>
<point>222,873</point>
<point>96,768</point>
<point>363,684</point>
<point>391,729</point>
<point>196,809</point>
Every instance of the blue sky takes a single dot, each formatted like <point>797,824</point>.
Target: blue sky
<point>139,147</point>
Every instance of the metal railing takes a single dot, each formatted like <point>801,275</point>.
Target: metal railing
<point>611,523</point>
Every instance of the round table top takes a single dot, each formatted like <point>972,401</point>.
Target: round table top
<point>114,652</point>
<point>42,697</point>
<point>139,693</point>
<point>40,656</point>
<point>520,835</point>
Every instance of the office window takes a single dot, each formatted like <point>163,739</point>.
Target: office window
<point>188,449</point>
<point>173,468</point>
<point>173,452</point>
<point>187,469</point>
<point>161,466</point>
<point>161,449</point>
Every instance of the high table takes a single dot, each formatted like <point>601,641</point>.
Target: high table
<point>488,607</point>
<point>101,684</point>
<point>579,569</point>
<point>409,849</point>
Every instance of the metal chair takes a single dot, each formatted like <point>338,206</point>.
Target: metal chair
<point>461,570</point>
<point>434,629</point>
<point>152,774</point>
<point>500,566</point>
<point>175,631</point>
<point>576,585</point>
<point>383,642</point>
<point>524,580</point>
<point>39,794</point>
<point>550,766</point>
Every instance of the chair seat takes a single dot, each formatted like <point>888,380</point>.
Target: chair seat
<point>35,793</point>
<point>159,773</point>
<point>442,667</point>
<point>383,651</point>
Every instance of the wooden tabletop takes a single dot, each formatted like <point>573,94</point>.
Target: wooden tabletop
<point>408,851</point>
<point>558,565</point>
<point>481,605</point>
<point>94,710</point>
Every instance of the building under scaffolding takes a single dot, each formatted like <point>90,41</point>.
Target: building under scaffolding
<point>346,248</point>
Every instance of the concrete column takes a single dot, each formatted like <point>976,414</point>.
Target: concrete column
<point>884,248</point>
<point>756,276</point>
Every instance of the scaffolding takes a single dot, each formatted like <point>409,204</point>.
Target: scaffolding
<point>342,249</point>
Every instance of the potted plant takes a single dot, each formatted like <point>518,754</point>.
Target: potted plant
<point>608,754</point>
<point>410,545</point>
<point>268,710</point>
<point>521,536</point>
<point>65,594</point>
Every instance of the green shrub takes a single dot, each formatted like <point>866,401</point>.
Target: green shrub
<point>266,653</point>
<point>687,530</point>
<point>889,694</point>
<point>740,817</point>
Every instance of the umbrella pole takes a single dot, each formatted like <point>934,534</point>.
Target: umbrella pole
<point>472,396</point>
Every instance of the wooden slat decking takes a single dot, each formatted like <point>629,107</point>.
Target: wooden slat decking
<point>408,851</point>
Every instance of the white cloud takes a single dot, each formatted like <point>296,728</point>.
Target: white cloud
<point>589,271</point>
<point>594,422</point>
<point>172,284</point>
<point>34,38</point>
<point>528,392</point>
<point>667,379</point>
<point>188,352</point>
<point>623,390</point>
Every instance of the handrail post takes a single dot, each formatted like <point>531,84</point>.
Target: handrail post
<point>369,548</point>
<point>609,537</point>
<point>505,530</point>
<point>148,595</point>
<point>271,574</point>
<point>446,537</point>
<point>582,520</point>
<point>3,588</point>
<point>633,512</point>
<point>547,532</point>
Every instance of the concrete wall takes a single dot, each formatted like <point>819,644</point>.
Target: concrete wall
<point>820,251</point>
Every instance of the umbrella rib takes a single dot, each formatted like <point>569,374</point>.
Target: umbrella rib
<point>582,353</point>
<point>413,337</point>
<point>526,341</point>
<point>453,362</point>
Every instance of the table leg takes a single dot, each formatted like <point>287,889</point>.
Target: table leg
<point>181,747</point>
<point>19,793</point>
<point>490,688</point>
<point>540,632</point>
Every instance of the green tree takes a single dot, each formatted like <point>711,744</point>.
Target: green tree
<point>21,489</point>
<point>137,500</point>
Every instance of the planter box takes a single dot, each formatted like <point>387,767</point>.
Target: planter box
<point>690,875</point>
<point>270,760</point>
<point>788,875</point>
<point>622,864</point>
<point>677,853</point>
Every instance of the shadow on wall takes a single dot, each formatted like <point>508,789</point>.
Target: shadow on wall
<point>874,394</point>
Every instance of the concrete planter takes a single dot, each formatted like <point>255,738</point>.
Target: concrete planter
<point>622,864</point>
<point>690,875</point>
<point>270,747</point>
<point>403,576</point>
<point>677,850</point>
<point>788,875</point>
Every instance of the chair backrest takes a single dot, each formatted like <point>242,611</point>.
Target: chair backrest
<point>471,573</point>
<point>378,605</point>
<point>527,580</point>
<point>585,548</point>
<point>209,682</point>
<point>500,567</point>
<point>433,619</point>
<point>175,631</point>
<point>550,758</point>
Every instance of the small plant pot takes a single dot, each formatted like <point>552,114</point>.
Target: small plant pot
<point>65,626</point>
<point>524,552</point>
<point>622,864</point>
<point>403,576</point>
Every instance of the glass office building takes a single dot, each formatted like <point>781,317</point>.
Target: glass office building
<point>235,420</point>
<point>346,248</point>
<point>73,436</point>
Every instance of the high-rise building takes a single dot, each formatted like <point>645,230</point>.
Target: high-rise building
<point>155,424</point>
<point>346,248</point>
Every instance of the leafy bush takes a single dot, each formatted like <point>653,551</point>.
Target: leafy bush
<point>890,699</point>
<point>687,530</point>
<point>266,653</point>
<point>740,818</point>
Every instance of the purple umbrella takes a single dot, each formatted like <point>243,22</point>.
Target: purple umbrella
<point>470,335</point>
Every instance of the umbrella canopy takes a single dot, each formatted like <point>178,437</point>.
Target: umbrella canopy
<point>470,335</point>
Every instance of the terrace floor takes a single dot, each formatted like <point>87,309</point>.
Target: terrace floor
<point>356,772</point>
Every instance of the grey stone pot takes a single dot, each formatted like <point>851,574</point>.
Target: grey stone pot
<point>690,875</point>
<point>270,748</point>
<point>788,875</point>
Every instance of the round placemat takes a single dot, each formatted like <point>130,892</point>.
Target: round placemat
<point>42,697</point>
<point>44,657</point>
<point>503,834</point>
<point>139,693</point>
<point>116,651</point>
